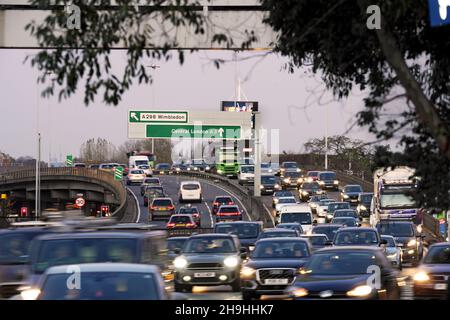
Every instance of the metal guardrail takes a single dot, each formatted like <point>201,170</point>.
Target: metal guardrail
<point>104,176</point>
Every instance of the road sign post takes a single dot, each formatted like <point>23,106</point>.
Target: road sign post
<point>118,173</point>
<point>69,160</point>
<point>257,160</point>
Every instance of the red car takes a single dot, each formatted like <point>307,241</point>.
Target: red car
<point>220,201</point>
<point>228,213</point>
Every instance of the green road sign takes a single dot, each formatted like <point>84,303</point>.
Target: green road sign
<point>69,160</point>
<point>158,116</point>
<point>192,131</point>
<point>118,173</point>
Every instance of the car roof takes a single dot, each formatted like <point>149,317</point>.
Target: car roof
<point>90,235</point>
<point>327,172</point>
<point>177,238</point>
<point>349,248</point>
<point>106,267</point>
<point>359,229</point>
<point>313,235</point>
<point>345,210</point>
<point>394,222</point>
<point>289,223</point>
<point>164,198</point>
<point>282,239</point>
<point>224,196</point>
<point>440,244</point>
<point>328,225</point>
<point>386,236</point>
<point>239,222</point>
<point>213,235</point>
<point>180,215</point>
<point>277,230</point>
<point>352,185</point>
<point>189,182</point>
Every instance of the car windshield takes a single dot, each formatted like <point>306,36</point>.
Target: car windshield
<point>163,166</point>
<point>356,237</point>
<point>279,194</point>
<point>191,186</point>
<point>294,174</point>
<point>144,167</point>
<point>175,243</point>
<point>335,206</point>
<point>327,176</point>
<point>265,165</point>
<point>438,255</point>
<point>290,165</point>
<point>180,219</point>
<point>242,230</point>
<point>278,234</point>
<point>390,242</point>
<point>137,172</point>
<point>209,245</point>
<point>396,229</point>
<point>300,217</point>
<point>365,198</point>
<point>318,241</point>
<point>188,210</point>
<point>349,222</point>
<point>287,200</point>
<point>14,247</point>
<point>330,232</point>
<point>325,202</point>
<point>353,189</point>
<point>397,200</point>
<point>313,173</point>
<point>102,286</point>
<point>313,186</point>
<point>268,180</point>
<point>198,162</point>
<point>162,203</point>
<point>280,250</point>
<point>73,251</point>
<point>228,209</point>
<point>151,181</point>
<point>247,169</point>
<point>345,213</point>
<point>140,162</point>
<point>340,263</point>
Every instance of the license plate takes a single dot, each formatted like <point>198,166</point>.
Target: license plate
<point>180,225</point>
<point>276,281</point>
<point>440,286</point>
<point>204,274</point>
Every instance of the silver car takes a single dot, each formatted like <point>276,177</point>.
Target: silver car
<point>393,251</point>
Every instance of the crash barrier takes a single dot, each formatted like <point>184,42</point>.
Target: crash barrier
<point>252,204</point>
<point>103,177</point>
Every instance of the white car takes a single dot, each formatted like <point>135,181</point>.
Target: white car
<point>284,201</point>
<point>190,191</point>
<point>246,174</point>
<point>300,213</point>
<point>135,176</point>
<point>147,169</point>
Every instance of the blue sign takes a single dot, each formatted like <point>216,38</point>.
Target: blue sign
<point>439,12</point>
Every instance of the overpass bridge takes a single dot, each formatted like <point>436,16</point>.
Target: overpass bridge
<point>60,186</point>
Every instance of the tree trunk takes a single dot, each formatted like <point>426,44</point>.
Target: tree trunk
<point>426,113</point>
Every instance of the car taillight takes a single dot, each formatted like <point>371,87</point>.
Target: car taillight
<point>231,203</point>
<point>170,207</point>
<point>153,207</point>
<point>196,215</point>
<point>170,225</point>
<point>190,225</point>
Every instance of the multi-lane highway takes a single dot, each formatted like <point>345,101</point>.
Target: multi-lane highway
<point>210,190</point>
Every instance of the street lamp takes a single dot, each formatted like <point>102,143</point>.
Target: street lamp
<point>154,67</point>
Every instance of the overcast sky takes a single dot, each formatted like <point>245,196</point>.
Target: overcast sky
<point>196,85</point>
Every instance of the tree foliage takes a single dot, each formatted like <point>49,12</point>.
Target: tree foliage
<point>406,61</point>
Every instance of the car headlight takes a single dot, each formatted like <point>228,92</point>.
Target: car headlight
<point>313,205</point>
<point>360,291</point>
<point>207,168</point>
<point>362,207</point>
<point>277,186</point>
<point>336,182</point>
<point>412,243</point>
<point>299,180</point>
<point>305,193</point>
<point>188,169</point>
<point>261,187</point>
<point>275,201</point>
<point>180,263</point>
<point>230,262</point>
<point>270,170</point>
<point>298,292</point>
<point>287,180</point>
<point>247,272</point>
<point>298,170</point>
<point>322,183</point>
<point>251,248</point>
<point>346,196</point>
<point>219,171</point>
<point>392,256</point>
<point>30,294</point>
<point>421,276</point>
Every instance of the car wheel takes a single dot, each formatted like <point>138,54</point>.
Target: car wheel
<point>236,285</point>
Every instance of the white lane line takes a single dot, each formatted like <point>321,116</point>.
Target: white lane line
<point>269,213</point>
<point>233,195</point>
<point>137,204</point>
<point>210,214</point>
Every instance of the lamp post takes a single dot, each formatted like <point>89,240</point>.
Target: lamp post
<point>154,67</point>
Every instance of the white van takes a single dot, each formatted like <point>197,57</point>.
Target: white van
<point>135,161</point>
<point>190,191</point>
<point>297,213</point>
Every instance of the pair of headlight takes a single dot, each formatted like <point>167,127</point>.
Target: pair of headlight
<point>181,263</point>
<point>359,291</point>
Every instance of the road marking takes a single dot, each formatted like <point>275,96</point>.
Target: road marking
<point>210,214</point>
<point>137,204</point>
<point>233,195</point>
<point>270,214</point>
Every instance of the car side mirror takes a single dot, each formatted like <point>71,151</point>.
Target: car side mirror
<point>383,241</point>
<point>329,243</point>
<point>177,251</point>
<point>243,250</point>
<point>400,245</point>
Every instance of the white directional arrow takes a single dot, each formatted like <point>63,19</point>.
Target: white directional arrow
<point>221,132</point>
<point>133,115</point>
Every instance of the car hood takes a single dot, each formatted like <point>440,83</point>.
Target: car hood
<point>352,194</point>
<point>340,283</point>
<point>276,263</point>
<point>207,258</point>
<point>436,268</point>
<point>391,250</point>
<point>403,240</point>
<point>13,272</point>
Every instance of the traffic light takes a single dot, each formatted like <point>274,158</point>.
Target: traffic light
<point>104,211</point>
<point>23,211</point>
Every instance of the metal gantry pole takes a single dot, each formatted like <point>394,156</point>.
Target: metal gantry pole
<point>257,160</point>
<point>326,138</point>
